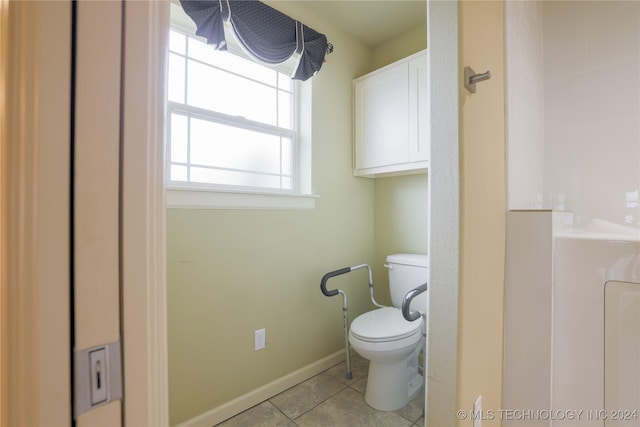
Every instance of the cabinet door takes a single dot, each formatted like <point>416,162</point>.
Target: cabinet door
<point>382,118</point>
<point>419,119</point>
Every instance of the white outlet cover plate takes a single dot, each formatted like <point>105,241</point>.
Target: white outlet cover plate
<point>259,339</point>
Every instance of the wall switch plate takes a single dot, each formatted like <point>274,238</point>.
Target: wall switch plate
<point>259,339</point>
<point>477,412</point>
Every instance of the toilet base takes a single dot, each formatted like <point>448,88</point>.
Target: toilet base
<point>391,386</point>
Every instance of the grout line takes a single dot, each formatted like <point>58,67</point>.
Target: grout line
<point>343,388</point>
<point>280,410</point>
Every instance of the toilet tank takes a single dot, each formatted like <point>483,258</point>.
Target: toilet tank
<point>406,272</point>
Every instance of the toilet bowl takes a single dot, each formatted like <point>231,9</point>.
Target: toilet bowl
<point>391,343</point>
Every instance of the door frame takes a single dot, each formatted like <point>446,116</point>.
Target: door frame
<point>33,302</point>
<point>444,206</point>
<point>444,219</point>
<point>34,212</point>
<point>18,145</point>
<point>146,32</point>
<point>144,211</point>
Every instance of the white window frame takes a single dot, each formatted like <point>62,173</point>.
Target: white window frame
<point>213,196</point>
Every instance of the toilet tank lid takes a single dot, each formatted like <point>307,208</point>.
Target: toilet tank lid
<point>418,260</point>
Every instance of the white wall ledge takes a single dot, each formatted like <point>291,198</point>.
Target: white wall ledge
<point>221,199</point>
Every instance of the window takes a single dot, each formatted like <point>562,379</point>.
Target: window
<point>230,119</point>
<point>232,124</point>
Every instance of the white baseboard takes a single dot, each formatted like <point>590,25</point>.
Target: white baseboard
<point>265,392</point>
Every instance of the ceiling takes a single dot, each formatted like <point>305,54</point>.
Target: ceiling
<point>373,22</point>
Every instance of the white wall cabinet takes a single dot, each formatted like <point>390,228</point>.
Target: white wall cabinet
<point>391,118</point>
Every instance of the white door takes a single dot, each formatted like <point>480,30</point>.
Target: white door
<point>114,290</point>
<point>119,202</point>
<point>96,210</point>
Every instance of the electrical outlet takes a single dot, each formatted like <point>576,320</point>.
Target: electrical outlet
<point>477,412</point>
<point>259,339</point>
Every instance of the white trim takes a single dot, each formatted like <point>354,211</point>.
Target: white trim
<point>267,391</point>
<point>143,240</point>
<point>393,170</point>
<point>207,199</point>
<point>181,20</point>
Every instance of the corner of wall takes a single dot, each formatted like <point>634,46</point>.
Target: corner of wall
<point>482,210</point>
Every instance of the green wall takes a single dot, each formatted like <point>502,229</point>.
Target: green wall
<point>233,271</point>
<point>400,223</point>
<point>400,201</point>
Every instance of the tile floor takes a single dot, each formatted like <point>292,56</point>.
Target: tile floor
<point>328,400</point>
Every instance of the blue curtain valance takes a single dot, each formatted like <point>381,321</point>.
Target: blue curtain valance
<point>268,34</point>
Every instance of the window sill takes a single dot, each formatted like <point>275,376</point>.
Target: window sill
<point>221,199</point>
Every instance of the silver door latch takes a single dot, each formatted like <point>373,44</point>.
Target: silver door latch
<point>97,376</point>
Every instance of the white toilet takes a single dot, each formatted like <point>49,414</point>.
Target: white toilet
<point>391,343</point>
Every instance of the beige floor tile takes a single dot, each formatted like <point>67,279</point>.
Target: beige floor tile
<point>303,397</point>
<point>348,409</point>
<point>413,410</point>
<point>329,399</point>
<point>360,386</point>
<point>359,369</point>
<point>262,415</point>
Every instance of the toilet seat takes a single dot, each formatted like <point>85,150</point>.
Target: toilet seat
<point>384,325</point>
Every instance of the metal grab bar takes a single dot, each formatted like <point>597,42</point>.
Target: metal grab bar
<point>373,300</point>
<point>345,309</point>
<point>333,292</point>
<point>406,303</point>
<point>415,315</point>
<point>323,282</point>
